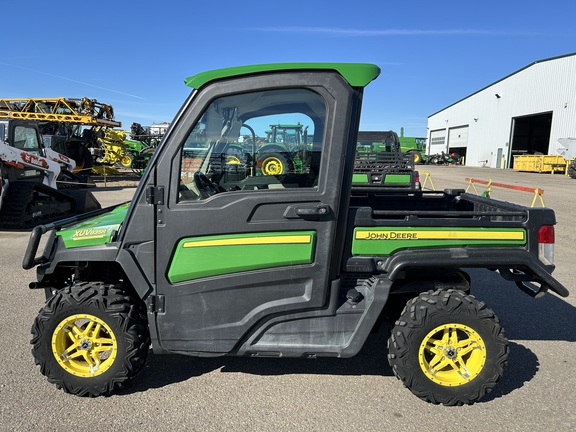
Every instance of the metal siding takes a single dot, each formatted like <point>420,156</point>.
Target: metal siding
<point>547,86</point>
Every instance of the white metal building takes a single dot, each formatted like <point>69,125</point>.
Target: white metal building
<point>159,128</point>
<point>526,112</point>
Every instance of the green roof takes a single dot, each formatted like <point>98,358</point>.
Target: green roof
<point>357,74</point>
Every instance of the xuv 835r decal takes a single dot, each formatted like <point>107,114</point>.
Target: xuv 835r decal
<point>197,257</point>
<point>387,240</point>
<point>95,231</point>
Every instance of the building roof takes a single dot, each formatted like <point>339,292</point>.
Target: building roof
<point>505,78</point>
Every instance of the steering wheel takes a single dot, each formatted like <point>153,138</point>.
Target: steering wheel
<point>205,186</point>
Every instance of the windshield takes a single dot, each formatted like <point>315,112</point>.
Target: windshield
<point>26,138</point>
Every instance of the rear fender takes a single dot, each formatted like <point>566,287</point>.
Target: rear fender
<point>517,265</point>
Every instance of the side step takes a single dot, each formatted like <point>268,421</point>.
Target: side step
<point>340,333</point>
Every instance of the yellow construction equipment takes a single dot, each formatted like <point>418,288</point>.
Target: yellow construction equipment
<point>61,122</point>
<point>84,111</point>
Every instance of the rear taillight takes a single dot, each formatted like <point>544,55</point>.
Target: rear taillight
<point>546,244</point>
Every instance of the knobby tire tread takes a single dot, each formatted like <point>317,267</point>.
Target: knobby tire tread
<point>125,313</point>
<point>411,327</point>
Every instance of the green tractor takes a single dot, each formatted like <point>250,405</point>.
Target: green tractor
<point>413,146</point>
<point>389,141</point>
<point>140,152</point>
<point>283,150</point>
<point>116,149</point>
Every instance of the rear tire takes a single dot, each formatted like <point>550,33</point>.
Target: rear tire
<point>448,348</point>
<point>126,160</point>
<point>274,163</point>
<point>572,169</point>
<point>31,203</point>
<point>91,339</point>
<point>416,157</point>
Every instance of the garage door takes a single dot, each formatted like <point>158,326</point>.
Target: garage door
<point>437,141</point>
<point>458,137</point>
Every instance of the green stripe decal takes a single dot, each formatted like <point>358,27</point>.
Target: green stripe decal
<point>389,179</point>
<point>198,257</point>
<point>387,240</point>
<point>397,179</point>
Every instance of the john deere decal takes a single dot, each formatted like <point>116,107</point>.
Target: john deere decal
<point>386,240</point>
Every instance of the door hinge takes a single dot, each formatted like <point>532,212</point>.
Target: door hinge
<point>155,195</point>
<point>156,304</point>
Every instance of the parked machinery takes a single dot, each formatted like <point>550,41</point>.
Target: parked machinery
<point>37,184</point>
<point>68,126</point>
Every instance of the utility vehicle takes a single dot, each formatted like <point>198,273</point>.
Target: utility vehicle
<point>209,261</point>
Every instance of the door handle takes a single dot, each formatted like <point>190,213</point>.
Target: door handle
<point>319,210</point>
<point>307,211</point>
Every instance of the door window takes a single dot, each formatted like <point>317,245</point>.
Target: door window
<point>254,141</point>
<point>26,138</point>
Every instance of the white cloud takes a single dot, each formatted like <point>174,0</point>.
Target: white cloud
<point>387,32</point>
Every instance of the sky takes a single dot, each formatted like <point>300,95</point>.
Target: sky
<point>135,55</point>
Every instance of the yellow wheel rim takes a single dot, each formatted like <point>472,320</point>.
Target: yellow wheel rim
<point>232,160</point>
<point>84,345</point>
<point>452,355</point>
<point>416,158</point>
<point>126,161</point>
<point>272,166</point>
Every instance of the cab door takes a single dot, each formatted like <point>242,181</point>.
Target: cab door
<point>236,244</point>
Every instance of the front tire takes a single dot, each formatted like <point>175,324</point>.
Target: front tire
<point>91,339</point>
<point>448,348</point>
